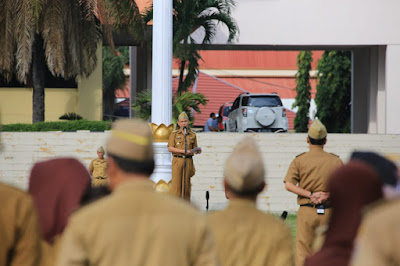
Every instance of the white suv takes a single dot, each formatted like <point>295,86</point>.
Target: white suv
<point>257,113</point>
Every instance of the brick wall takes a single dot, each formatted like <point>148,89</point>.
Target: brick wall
<point>21,150</point>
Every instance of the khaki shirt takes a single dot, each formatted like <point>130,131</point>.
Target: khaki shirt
<point>98,168</point>
<point>19,229</point>
<point>311,171</point>
<point>378,239</point>
<point>247,236</point>
<point>177,140</point>
<point>137,226</point>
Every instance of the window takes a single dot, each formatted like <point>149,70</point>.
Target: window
<point>261,101</point>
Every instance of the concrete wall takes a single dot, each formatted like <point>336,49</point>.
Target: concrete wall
<point>16,104</point>
<point>90,92</point>
<point>312,22</point>
<point>22,150</point>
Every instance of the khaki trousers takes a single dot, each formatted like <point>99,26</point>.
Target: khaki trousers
<point>307,221</point>
<point>177,177</point>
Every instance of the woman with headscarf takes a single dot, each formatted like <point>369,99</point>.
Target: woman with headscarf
<point>352,187</point>
<point>57,187</point>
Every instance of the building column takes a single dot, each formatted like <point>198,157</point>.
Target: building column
<point>392,68</point>
<point>161,106</point>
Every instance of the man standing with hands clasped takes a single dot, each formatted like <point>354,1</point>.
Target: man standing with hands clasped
<point>307,177</point>
<point>176,145</point>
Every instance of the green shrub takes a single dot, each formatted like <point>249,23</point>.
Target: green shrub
<point>70,116</point>
<point>59,126</point>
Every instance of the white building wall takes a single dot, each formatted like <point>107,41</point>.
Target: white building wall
<point>21,150</point>
<point>392,89</point>
<point>312,22</point>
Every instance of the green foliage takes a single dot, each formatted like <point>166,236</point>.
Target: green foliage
<point>303,88</point>
<point>189,15</point>
<point>142,106</point>
<point>113,75</point>
<point>70,116</point>
<point>333,96</point>
<point>59,126</point>
<point>185,102</point>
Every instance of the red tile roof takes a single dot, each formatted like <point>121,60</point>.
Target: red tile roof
<point>283,86</point>
<point>217,92</point>
<point>234,59</point>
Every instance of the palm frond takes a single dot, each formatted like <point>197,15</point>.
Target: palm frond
<point>53,35</point>
<point>73,63</point>
<point>127,16</point>
<point>25,27</point>
<point>142,105</point>
<point>7,42</point>
<point>90,40</point>
<point>187,102</point>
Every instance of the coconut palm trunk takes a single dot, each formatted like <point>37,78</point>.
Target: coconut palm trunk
<point>38,80</point>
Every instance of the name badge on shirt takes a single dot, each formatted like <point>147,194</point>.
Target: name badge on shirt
<point>320,209</point>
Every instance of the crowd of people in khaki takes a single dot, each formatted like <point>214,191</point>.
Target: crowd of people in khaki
<point>67,220</point>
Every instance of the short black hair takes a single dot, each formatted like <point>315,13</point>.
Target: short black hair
<point>247,193</point>
<point>133,166</point>
<point>212,114</point>
<point>385,168</point>
<point>317,141</point>
<point>94,193</point>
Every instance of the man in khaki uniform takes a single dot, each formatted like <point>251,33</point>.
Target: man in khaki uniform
<point>20,241</point>
<point>176,145</point>
<point>136,225</point>
<point>98,169</point>
<point>19,228</point>
<point>378,238</point>
<point>243,234</point>
<point>307,177</point>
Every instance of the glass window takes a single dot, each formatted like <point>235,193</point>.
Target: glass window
<point>261,101</point>
<point>226,111</point>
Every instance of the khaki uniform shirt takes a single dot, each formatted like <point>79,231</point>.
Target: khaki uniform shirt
<point>177,140</point>
<point>98,167</point>
<point>311,171</point>
<point>137,226</point>
<point>378,239</point>
<point>50,252</point>
<point>247,236</point>
<point>19,229</point>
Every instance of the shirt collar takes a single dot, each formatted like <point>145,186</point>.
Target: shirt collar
<point>135,185</point>
<point>241,203</point>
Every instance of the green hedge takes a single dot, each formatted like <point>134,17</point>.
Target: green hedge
<point>59,126</point>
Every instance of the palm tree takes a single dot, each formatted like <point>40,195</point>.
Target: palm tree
<point>60,34</point>
<point>189,15</point>
<point>185,102</point>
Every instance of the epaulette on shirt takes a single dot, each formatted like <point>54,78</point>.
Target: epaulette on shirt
<point>174,131</point>
<point>334,154</point>
<point>300,154</point>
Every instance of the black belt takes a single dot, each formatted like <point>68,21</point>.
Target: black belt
<point>315,205</point>
<point>183,156</point>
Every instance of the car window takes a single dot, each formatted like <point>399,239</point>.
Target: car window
<point>260,101</point>
<point>226,111</point>
<point>236,104</point>
<point>220,110</point>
